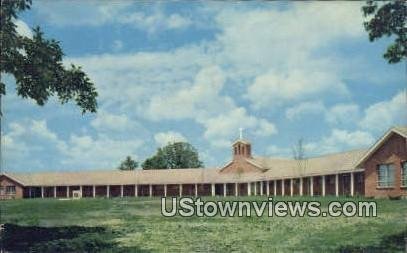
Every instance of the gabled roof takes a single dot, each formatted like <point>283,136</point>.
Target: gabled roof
<point>321,165</point>
<point>400,130</point>
<point>117,177</point>
<point>11,177</point>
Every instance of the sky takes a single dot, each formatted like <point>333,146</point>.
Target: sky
<point>197,72</point>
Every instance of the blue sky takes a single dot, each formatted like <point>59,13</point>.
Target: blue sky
<point>197,71</point>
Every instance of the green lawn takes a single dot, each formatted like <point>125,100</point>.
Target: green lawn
<point>136,224</point>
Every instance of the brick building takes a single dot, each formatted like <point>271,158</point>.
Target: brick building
<point>380,171</point>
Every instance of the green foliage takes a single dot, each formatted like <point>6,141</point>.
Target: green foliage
<point>389,19</point>
<point>36,64</point>
<point>128,164</point>
<point>178,155</point>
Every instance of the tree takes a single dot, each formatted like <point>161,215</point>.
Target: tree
<point>177,155</point>
<point>128,164</point>
<point>36,64</point>
<point>299,156</point>
<point>389,19</point>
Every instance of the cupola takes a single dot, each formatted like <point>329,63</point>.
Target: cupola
<point>241,147</point>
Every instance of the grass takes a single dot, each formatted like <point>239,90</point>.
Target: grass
<point>136,224</point>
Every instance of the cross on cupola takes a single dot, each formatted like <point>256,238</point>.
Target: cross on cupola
<point>241,148</point>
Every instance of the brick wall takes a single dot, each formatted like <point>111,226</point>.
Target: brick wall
<point>5,181</point>
<point>240,165</point>
<point>393,150</point>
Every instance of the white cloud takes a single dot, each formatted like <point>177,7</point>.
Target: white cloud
<point>40,129</point>
<point>199,100</point>
<point>102,152</point>
<point>339,114</point>
<point>163,138</point>
<point>204,103</point>
<point>65,14</point>
<point>176,21</point>
<point>251,45</point>
<point>304,108</point>
<point>383,115</point>
<point>276,53</point>
<point>274,89</point>
<point>117,45</point>
<point>223,129</point>
<point>257,38</point>
<point>155,21</point>
<point>23,29</point>
<point>14,149</point>
<point>112,122</point>
<point>342,114</point>
<point>340,140</point>
<point>278,49</point>
<point>23,139</point>
<point>150,78</point>
<point>142,75</point>
<point>265,128</point>
<point>277,151</point>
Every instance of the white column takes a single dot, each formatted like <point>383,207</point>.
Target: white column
<point>108,191</point>
<point>268,187</point>
<point>323,185</point>
<point>165,190</point>
<point>301,185</point>
<point>261,188</point>
<point>150,188</point>
<point>224,190</point>
<point>282,187</point>
<point>213,189</point>
<point>80,190</point>
<point>196,190</point>
<point>255,188</point>
<point>352,184</point>
<point>67,191</point>
<point>135,190</point>
<point>291,187</point>
<point>29,192</point>
<point>249,189</point>
<point>337,185</point>
<point>55,191</point>
<point>42,191</point>
<point>236,190</point>
<point>94,191</point>
<point>180,190</point>
<point>275,187</point>
<point>121,191</point>
<point>311,190</point>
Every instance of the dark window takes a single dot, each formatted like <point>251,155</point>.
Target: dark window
<point>385,175</point>
<point>404,174</point>
<point>11,189</point>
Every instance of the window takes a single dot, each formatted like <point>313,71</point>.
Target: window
<point>11,189</point>
<point>385,175</point>
<point>404,174</point>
